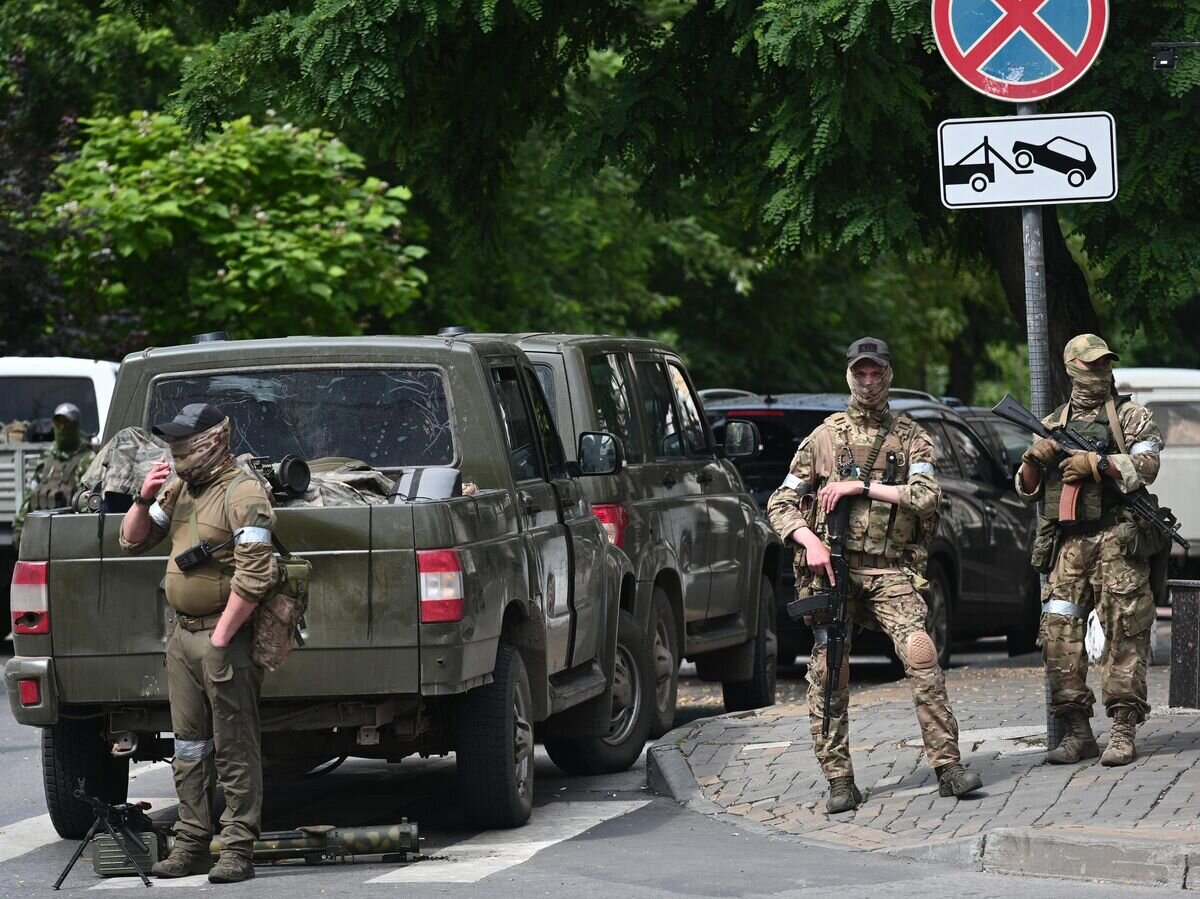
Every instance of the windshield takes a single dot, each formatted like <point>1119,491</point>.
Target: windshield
<point>390,418</point>
<point>29,397</point>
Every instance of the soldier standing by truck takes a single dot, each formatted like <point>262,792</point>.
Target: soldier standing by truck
<point>1097,559</point>
<point>882,464</point>
<point>221,566</point>
<point>60,469</point>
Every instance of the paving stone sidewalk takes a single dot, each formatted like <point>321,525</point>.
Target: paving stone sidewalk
<point>758,767</point>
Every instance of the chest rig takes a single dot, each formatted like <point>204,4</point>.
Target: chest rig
<point>57,483</point>
<point>848,451</point>
<point>1093,504</point>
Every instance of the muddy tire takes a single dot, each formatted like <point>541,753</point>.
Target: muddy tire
<point>74,750</point>
<point>664,659</point>
<point>759,691</point>
<point>632,711</point>
<point>495,747</point>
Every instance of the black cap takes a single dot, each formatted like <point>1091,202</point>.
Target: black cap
<point>192,419</point>
<point>868,348</point>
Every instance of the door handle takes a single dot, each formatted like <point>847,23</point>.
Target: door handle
<point>669,480</point>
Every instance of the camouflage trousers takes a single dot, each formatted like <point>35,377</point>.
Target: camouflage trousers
<point>888,603</point>
<point>1092,572</point>
<point>214,693</point>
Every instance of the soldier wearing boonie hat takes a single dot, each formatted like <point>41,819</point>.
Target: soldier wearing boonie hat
<point>881,463</point>
<point>1094,553</point>
<point>212,682</point>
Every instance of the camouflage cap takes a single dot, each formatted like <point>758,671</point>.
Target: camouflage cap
<point>1089,348</point>
<point>868,348</point>
<point>69,411</point>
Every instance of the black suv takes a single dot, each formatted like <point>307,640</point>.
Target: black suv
<point>981,583</point>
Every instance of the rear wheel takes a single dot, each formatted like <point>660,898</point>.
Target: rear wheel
<point>495,746</point>
<point>1075,178</point>
<point>938,619</point>
<point>664,651</point>
<point>74,750</point>
<point>632,711</point>
<point>759,691</point>
<point>979,184</point>
<point>1023,159</point>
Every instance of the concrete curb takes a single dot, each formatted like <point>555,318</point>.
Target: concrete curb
<point>1043,852</point>
<point>1074,854</point>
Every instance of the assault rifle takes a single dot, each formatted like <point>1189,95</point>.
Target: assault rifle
<point>1139,501</point>
<point>835,602</point>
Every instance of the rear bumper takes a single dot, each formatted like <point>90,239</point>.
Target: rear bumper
<point>20,668</point>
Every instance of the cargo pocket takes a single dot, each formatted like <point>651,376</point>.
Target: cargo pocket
<point>1132,607</point>
<point>219,671</point>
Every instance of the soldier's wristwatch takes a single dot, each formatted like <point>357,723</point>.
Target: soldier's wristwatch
<point>1102,463</point>
<point>144,500</point>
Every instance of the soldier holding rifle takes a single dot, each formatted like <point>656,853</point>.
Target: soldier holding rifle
<point>1096,550</point>
<point>875,468</point>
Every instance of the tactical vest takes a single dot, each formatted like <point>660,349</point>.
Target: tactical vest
<point>1093,501</point>
<point>57,482</point>
<point>842,453</point>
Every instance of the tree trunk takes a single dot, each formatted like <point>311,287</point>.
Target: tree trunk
<point>1068,303</point>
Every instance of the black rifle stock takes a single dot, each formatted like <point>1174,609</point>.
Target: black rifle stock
<point>1139,501</point>
<point>835,602</point>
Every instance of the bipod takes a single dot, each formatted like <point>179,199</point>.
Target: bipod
<point>112,818</point>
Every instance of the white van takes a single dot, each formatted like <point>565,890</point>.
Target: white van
<point>30,388</point>
<point>1173,395</point>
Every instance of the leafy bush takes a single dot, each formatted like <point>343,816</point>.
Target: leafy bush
<point>261,231</point>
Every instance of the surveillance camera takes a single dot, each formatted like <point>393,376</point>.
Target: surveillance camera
<point>1166,60</point>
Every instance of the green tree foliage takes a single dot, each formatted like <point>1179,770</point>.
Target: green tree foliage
<point>261,230</point>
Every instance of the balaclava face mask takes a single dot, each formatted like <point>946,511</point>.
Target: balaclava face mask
<point>1090,387</point>
<point>201,457</point>
<point>66,436</point>
<point>870,396</point>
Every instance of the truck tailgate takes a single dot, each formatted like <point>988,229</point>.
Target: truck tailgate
<point>109,618</point>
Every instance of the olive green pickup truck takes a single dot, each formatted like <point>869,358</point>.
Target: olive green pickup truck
<point>437,623</point>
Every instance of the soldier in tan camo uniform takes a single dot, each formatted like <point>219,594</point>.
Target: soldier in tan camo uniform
<point>1101,562</point>
<point>881,463</point>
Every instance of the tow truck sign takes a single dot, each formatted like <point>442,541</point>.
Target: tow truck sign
<point>1028,160</point>
<point>1020,50</point>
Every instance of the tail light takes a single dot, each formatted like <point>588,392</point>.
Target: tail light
<point>615,518</point>
<point>441,585</point>
<point>30,598</point>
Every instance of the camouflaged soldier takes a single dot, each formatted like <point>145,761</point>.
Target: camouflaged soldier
<point>882,464</point>
<point>59,471</point>
<point>1102,559</point>
<point>212,683</point>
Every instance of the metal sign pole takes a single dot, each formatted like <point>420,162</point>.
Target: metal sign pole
<point>1039,361</point>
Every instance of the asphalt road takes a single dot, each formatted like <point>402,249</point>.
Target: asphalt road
<point>603,836</point>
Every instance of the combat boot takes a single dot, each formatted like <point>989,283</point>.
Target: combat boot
<point>231,868</point>
<point>1077,744</point>
<point>181,862</point>
<point>843,795</point>
<point>1121,750</point>
<point>955,780</point>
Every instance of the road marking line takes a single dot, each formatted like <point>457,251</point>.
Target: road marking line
<point>752,746</point>
<point>30,834</point>
<point>483,855</point>
<point>125,883</point>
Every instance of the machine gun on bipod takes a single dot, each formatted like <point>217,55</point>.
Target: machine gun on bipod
<point>125,826</point>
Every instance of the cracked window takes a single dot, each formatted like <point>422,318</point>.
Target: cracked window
<point>389,418</point>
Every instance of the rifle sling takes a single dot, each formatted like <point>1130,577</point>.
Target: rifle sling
<point>880,436</point>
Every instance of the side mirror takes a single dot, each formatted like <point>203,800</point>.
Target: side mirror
<point>600,453</point>
<point>742,439</point>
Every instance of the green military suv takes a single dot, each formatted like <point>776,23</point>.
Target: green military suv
<point>706,560</point>
<point>469,619</point>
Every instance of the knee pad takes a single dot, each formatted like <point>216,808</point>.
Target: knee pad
<point>921,651</point>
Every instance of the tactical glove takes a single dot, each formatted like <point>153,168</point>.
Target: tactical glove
<point>1042,453</point>
<point>1080,467</point>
